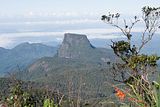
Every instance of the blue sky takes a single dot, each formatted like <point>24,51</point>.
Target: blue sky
<point>26,6</point>
<point>34,20</point>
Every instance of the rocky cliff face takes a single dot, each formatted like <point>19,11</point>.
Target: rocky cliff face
<point>74,46</point>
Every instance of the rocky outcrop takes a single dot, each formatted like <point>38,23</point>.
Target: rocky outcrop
<point>74,46</point>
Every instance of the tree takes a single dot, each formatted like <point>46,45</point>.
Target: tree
<point>134,68</point>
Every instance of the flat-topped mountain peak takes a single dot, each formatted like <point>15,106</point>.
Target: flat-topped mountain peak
<point>74,46</point>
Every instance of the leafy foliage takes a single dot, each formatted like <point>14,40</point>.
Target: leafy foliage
<point>26,94</point>
<point>137,65</point>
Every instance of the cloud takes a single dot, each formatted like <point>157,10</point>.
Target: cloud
<point>62,14</point>
<point>101,30</point>
<point>92,33</point>
<point>55,22</point>
<point>5,42</point>
<point>31,34</point>
<point>8,39</point>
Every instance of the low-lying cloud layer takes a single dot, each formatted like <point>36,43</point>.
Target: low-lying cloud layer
<point>44,31</point>
<point>8,40</point>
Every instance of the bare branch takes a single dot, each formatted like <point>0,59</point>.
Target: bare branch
<point>133,23</point>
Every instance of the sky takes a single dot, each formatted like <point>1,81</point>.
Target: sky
<point>21,7</point>
<point>25,20</point>
<point>42,6</point>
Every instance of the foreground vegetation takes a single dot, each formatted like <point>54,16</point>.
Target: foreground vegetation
<point>135,80</point>
<point>136,71</point>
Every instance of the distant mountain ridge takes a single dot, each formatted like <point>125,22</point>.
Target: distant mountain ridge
<point>75,57</point>
<point>3,51</point>
<point>75,48</point>
<point>22,55</point>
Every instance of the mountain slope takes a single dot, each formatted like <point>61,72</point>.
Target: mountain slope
<point>23,55</point>
<point>76,58</point>
<point>77,46</point>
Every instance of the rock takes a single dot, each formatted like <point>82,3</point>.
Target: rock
<point>74,46</point>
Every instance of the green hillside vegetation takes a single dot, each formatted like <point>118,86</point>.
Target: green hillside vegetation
<point>59,71</point>
<point>77,69</point>
<point>81,75</point>
<point>23,55</point>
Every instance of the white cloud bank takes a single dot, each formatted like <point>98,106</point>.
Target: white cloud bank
<point>56,22</point>
<point>5,41</point>
<point>8,39</point>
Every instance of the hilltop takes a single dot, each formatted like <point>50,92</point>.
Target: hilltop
<point>22,55</point>
<point>76,58</point>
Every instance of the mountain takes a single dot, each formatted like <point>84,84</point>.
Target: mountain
<point>74,46</point>
<point>3,51</point>
<point>77,46</point>
<point>150,48</point>
<point>22,55</point>
<point>75,58</point>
